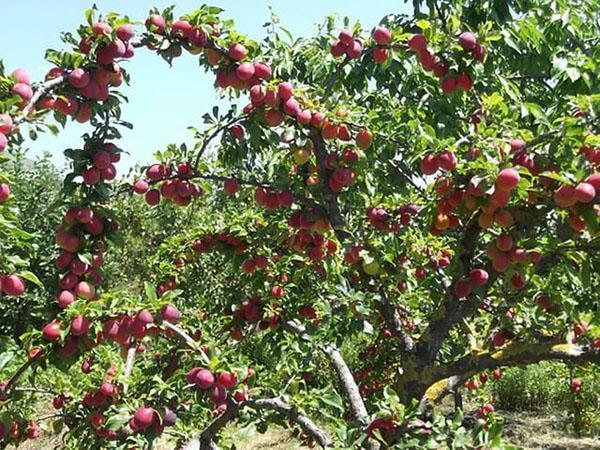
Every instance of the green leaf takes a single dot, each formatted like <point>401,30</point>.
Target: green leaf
<point>556,176</point>
<point>5,358</point>
<point>57,426</point>
<point>89,16</point>
<point>117,421</point>
<point>423,24</point>
<point>585,273</point>
<point>150,292</point>
<point>30,276</point>
<point>333,399</point>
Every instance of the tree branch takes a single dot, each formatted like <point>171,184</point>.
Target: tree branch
<point>20,371</point>
<point>454,309</point>
<point>42,90</point>
<point>129,364</point>
<point>214,134</point>
<point>388,311</point>
<point>332,206</point>
<point>189,341</point>
<point>307,425</point>
<point>330,83</point>
<point>448,375</point>
<point>348,384</point>
<point>35,390</point>
<point>205,440</point>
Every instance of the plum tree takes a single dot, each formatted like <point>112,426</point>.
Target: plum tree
<point>382,195</point>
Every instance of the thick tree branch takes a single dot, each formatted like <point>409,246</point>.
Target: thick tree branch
<point>348,384</point>
<point>205,440</point>
<point>454,309</point>
<point>447,376</point>
<point>393,323</point>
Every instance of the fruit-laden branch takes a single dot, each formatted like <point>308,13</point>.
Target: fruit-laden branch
<point>189,341</point>
<point>128,189</point>
<point>455,309</point>
<point>446,376</point>
<point>205,440</point>
<point>42,90</point>
<point>332,206</point>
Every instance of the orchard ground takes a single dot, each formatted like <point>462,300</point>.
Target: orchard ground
<point>529,430</point>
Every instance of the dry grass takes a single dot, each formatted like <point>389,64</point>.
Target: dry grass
<point>535,431</point>
<point>274,438</point>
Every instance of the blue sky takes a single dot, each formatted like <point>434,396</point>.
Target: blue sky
<point>163,101</point>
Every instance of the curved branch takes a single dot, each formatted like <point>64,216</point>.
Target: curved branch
<point>214,134</point>
<point>21,371</point>
<point>307,425</point>
<point>388,311</point>
<point>42,90</point>
<point>454,309</point>
<point>349,386</point>
<point>521,353</point>
<point>205,440</point>
<point>49,416</point>
<point>330,83</point>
